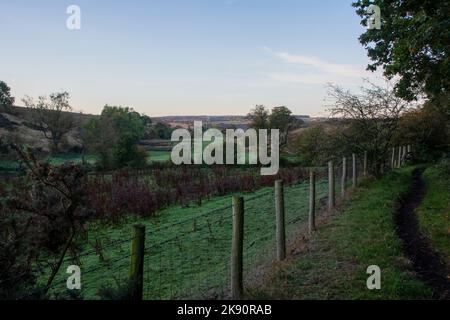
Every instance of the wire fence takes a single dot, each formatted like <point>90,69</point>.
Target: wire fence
<point>187,255</point>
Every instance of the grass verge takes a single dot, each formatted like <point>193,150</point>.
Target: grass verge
<point>434,211</point>
<point>332,264</point>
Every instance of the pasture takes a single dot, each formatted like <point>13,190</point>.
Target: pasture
<point>188,249</point>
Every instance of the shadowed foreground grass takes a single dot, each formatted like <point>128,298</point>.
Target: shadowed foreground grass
<point>333,263</point>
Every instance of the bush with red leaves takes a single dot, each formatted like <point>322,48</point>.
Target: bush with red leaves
<point>114,196</point>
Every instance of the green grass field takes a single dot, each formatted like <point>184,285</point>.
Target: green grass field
<point>153,155</point>
<point>159,156</point>
<point>188,249</point>
<point>434,212</point>
<point>362,234</point>
<point>57,159</point>
<point>72,157</point>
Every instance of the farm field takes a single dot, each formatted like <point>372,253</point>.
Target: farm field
<point>188,249</point>
<point>9,165</point>
<point>72,157</point>
<point>153,155</point>
<point>159,155</point>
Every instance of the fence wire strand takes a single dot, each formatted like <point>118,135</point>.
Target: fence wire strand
<point>190,257</point>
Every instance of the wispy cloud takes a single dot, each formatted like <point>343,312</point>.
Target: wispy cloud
<point>301,78</point>
<point>324,66</point>
<point>318,71</point>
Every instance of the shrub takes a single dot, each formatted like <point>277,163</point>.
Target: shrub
<point>40,216</point>
<point>146,191</point>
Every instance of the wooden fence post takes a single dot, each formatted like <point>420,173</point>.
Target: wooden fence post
<point>365,164</point>
<point>331,191</point>
<point>393,159</point>
<point>237,249</point>
<point>354,171</point>
<point>405,152</point>
<point>137,262</point>
<point>279,212</point>
<point>344,177</point>
<point>401,155</point>
<point>312,200</point>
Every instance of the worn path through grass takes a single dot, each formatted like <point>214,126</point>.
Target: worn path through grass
<point>332,264</point>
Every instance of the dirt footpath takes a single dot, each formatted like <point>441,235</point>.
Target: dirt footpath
<point>427,262</point>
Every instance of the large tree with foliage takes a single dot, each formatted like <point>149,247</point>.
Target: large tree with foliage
<point>278,118</point>
<point>259,117</point>
<point>6,100</point>
<point>425,129</point>
<point>158,130</point>
<point>52,116</point>
<point>281,118</point>
<point>114,136</point>
<point>413,43</point>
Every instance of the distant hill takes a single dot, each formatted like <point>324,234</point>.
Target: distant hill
<point>206,118</point>
<point>18,124</point>
<point>220,122</point>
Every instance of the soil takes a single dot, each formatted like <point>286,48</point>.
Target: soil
<point>427,262</point>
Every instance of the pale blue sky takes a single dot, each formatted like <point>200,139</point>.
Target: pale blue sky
<point>180,57</point>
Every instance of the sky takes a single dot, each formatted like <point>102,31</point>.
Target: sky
<point>183,57</point>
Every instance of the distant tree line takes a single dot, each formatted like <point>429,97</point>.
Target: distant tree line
<point>113,136</point>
